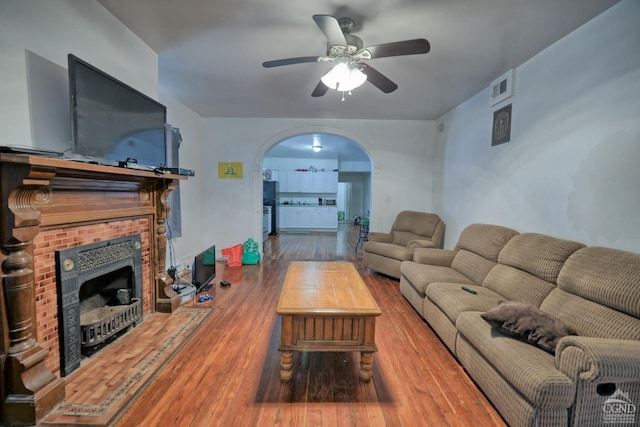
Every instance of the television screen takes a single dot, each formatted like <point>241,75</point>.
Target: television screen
<point>204,268</point>
<point>112,121</point>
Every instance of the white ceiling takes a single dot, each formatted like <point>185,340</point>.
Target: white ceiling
<point>211,52</point>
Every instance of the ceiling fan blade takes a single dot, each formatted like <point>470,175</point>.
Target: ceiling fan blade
<point>331,29</point>
<point>320,90</point>
<point>378,80</point>
<point>406,47</point>
<point>290,61</point>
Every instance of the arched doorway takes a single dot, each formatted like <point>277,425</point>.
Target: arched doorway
<point>335,151</point>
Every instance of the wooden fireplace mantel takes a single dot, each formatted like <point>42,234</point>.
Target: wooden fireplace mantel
<point>40,192</point>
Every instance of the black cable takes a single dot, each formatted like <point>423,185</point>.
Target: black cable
<point>172,270</point>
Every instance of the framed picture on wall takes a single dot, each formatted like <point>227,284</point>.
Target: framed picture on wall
<point>501,130</point>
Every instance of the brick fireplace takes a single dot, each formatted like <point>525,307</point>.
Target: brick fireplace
<point>46,292</point>
<point>51,205</point>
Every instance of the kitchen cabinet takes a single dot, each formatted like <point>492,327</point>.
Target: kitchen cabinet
<point>283,182</point>
<point>299,182</point>
<point>308,182</point>
<point>293,182</point>
<point>290,218</point>
<point>306,217</point>
<point>325,182</point>
<point>310,217</point>
<point>328,217</point>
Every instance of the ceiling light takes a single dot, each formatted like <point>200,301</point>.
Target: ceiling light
<point>316,147</point>
<point>344,77</point>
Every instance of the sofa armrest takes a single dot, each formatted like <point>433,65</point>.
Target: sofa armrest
<point>420,243</point>
<point>599,359</point>
<point>376,236</point>
<point>433,256</point>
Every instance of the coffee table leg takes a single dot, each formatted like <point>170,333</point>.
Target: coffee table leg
<point>286,366</point>
<point>366,366</point>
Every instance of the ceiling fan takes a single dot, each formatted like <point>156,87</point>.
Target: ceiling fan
<point>345,49</point>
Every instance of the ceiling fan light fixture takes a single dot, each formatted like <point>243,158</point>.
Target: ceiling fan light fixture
<point>316,147</point>
<point>356,79</point>
<point>344,78</point>
<point>334,76</point>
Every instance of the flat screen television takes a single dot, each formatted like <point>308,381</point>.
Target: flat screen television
<point>203,269</point>
<point>113,121</point>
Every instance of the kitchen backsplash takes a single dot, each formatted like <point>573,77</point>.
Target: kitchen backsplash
<point>308,200</point>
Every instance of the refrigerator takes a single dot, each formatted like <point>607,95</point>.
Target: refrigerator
<point>270,198</point>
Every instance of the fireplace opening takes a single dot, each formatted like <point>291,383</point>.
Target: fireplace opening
<point>107,308</point>
<point>100,296</point>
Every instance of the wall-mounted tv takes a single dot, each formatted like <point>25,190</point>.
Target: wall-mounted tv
<point>203,269</point>
<point>113,121</point>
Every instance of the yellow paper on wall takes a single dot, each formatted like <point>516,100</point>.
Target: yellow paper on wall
<point>230,170</point>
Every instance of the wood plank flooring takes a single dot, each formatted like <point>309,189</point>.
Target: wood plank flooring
<point>228,373</point>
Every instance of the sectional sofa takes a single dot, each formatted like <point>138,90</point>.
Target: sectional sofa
<point>548,328</point>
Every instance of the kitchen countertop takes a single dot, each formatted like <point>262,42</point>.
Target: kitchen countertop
<point>307,206</point>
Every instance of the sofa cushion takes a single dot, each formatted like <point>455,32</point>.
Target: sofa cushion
<point>528,323</point>
<point>389,250</point>
<point>591,319</point>
<point>537,254</point>
<point>452,300</point>
<point>472,265</point>
<point>478,248</point>
<point>411,225</point>
<point>527,368</point>
<point>433,256</point>
<point>597,293</point>
<point>419,276</point>
<point>403,238</point>
<point>528,266</point>
<point>518,285</point>
<point>604,275</point>
<point>486,240</point>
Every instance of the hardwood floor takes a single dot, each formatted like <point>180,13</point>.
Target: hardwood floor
<point>228,373</point>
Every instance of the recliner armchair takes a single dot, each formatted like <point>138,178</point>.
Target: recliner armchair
<point>384,252</point>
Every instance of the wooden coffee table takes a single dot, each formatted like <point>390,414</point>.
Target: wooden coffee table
<point>325,306</point>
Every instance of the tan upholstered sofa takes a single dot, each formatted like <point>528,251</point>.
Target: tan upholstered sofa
<point>384,252</point>
<point>589,375</point>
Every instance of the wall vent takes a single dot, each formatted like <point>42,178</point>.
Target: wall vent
<point>501,88</point>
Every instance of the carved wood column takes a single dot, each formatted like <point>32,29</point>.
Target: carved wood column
<point>167,300</point>
<point>29,389</point>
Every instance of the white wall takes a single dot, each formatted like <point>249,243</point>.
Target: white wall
<point>51,30</point>
<point>213,211</point>
<point>193,217</point>
<point>401,151</point>
<point>572,167</point>
<point>48,31</point>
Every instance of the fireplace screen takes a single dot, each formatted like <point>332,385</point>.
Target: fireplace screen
<point>99,295</point>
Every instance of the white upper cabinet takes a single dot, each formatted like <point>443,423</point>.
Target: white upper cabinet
<point>308,182</point>
<point>325,182</point>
